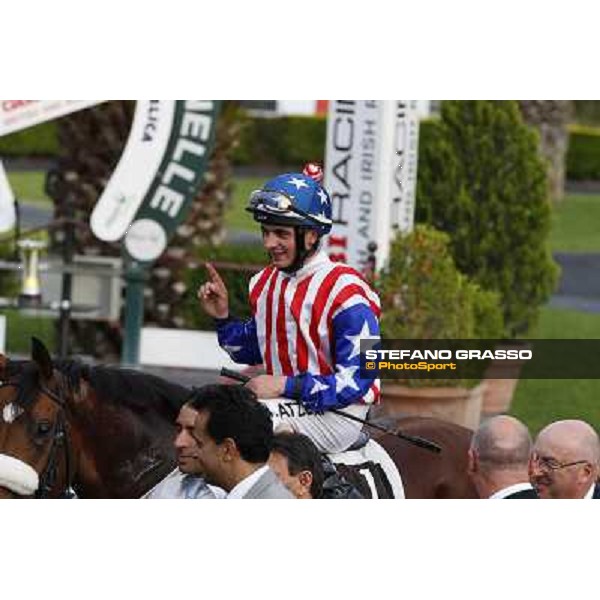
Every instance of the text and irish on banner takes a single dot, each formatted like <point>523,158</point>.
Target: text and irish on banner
<point>158,176</point>
<point>21,114</point>
<point>371,174</point>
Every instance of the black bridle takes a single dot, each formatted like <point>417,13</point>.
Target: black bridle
<point>60,440</point>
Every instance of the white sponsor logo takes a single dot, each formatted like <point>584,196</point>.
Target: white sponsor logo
<point>146,240</point>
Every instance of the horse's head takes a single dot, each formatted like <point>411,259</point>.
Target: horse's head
<point>35,453</point>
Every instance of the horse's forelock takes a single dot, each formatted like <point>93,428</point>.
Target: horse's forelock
<point>27,384</point>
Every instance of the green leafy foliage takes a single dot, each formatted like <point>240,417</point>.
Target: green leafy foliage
<point>40,140</point>
<point>587,111</point>
<point>281,141</point>
<point>482,181</point>
<point>424,296</point>
<point>583,157</point>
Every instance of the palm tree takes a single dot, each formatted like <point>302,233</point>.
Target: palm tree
<point>550,118</point>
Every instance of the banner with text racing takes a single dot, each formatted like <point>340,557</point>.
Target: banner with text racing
<point>370,173</point>
<point>475,359</point>
<point>21,114</point>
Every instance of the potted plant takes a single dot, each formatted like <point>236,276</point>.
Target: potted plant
<point>424,296</point>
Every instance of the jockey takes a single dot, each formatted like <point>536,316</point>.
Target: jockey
<point>309,315</point>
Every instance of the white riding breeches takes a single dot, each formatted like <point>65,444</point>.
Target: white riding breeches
<point>331,433</point>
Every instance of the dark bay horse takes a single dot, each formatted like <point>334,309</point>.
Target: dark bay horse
<point>108,433</point>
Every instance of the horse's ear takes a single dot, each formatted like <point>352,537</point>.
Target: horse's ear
<point>41,356</point>
<point>3,365</point>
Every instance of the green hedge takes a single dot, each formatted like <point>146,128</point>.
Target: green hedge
<point>281,141</point>
<point>291,141</point>
<point>583,157</point>
<point>40,140</point>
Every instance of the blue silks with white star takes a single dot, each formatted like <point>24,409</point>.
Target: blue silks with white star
<point>319,393</point>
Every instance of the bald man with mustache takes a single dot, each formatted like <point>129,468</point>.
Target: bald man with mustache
<point>565,462</point>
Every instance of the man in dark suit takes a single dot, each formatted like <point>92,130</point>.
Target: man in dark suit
<point>565,462</point>
<point>234,434</point>
<point>498,459</point>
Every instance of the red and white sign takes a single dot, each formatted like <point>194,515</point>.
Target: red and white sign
<point>21,114</point>
<point>370,174</point>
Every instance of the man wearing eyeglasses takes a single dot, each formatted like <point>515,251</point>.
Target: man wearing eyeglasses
<point>565,462</point>
<point>498,459</point>
<point>309,315</point>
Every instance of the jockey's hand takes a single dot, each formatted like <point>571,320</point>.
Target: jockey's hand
<point>267,386</point>
<point>213,295</point>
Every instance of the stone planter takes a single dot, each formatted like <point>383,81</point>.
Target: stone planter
<point>458,405</point>
<point>498,395</point>
<point>502,377</point>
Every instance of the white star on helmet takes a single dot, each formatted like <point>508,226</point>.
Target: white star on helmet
<point>323,218</point>
<point>299,183</point>
<point>323,197</point>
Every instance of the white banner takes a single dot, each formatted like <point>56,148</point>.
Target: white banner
<point>137,168</point>
<point>21,114</point>
<point>370,172</point>
<point>7,203</point>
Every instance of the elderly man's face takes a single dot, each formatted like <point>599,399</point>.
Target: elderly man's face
<point>557,472</point>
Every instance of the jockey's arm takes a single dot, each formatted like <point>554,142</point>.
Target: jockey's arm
<point>345,386</point>
<point>239,340</point>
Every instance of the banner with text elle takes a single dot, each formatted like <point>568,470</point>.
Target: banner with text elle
<point>158,176</point>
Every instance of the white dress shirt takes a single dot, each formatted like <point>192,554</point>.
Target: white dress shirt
<point>178,485</point>
<point>590,492</point>
<point>245,484</point>
<point>511,489</point>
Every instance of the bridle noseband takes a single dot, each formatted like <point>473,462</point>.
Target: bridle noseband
<point>47,479</point>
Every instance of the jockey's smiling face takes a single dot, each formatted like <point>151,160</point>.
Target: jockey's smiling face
<point>280,243</point>
<point>186,445</point>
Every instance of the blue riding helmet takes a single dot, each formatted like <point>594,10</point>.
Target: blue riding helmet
<point>292,199</point>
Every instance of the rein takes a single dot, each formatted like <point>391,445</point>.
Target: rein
<point>49,475</point>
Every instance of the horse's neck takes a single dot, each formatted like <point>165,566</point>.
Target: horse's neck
<point>122,454</point>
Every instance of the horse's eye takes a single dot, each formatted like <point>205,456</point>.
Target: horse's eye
<point>43,428</point>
